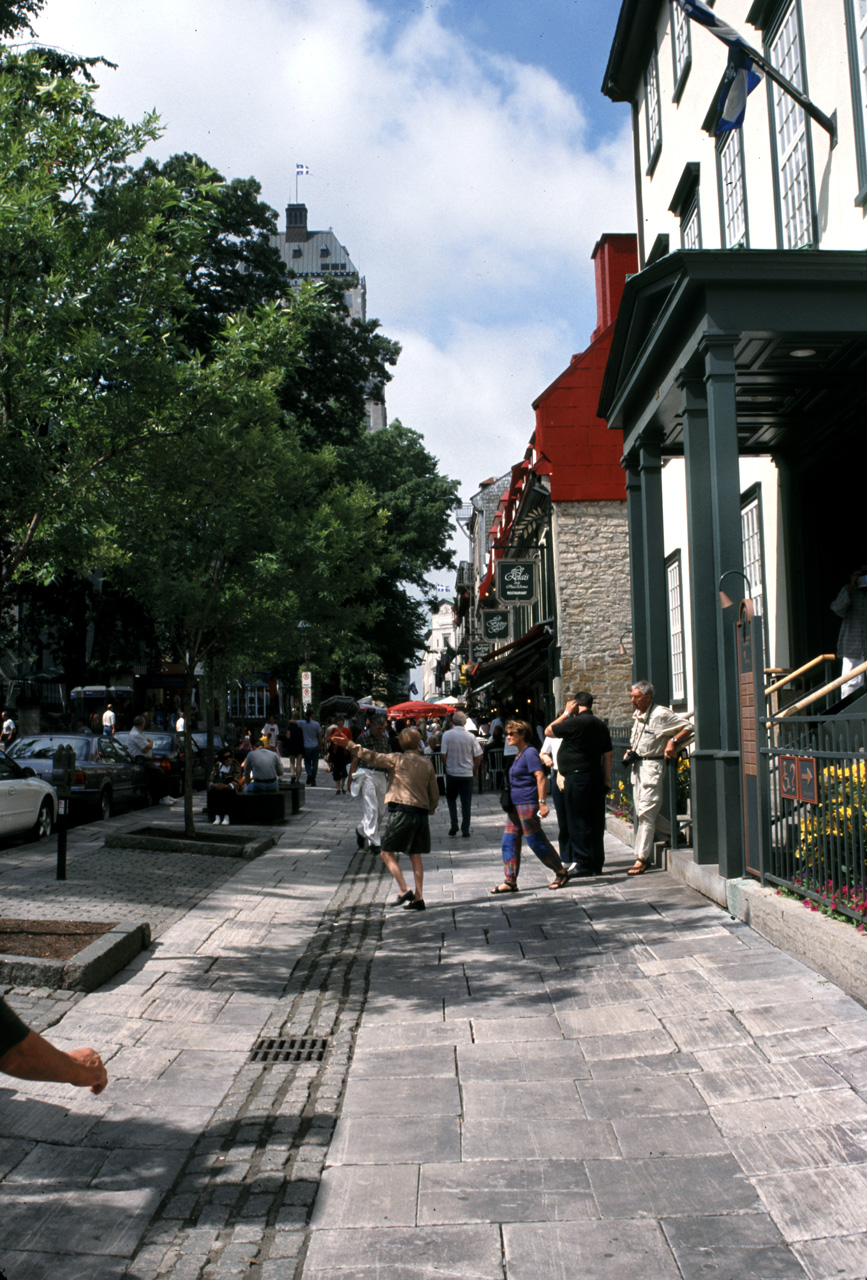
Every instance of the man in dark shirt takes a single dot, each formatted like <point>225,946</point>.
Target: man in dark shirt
<point>584,765</point>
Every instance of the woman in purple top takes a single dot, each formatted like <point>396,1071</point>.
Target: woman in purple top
<point>527,787</point>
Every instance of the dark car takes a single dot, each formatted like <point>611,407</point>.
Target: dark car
<point>168,752</point>
<point>201,741</point>
<point>106,777</point>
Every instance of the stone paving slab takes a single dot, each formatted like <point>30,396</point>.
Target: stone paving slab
<point>611,1078</point>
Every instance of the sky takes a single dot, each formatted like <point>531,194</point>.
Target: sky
<point>460,149</point>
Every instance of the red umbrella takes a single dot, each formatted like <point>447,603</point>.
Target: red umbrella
<point>403,709</point>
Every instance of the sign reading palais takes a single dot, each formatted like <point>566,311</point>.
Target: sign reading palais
<point>516,581</point>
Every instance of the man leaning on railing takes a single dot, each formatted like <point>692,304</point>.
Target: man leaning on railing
<point>657,736</point>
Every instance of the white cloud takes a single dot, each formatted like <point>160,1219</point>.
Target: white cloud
<point>465,186</point>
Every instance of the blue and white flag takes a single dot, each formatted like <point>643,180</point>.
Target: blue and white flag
<point>301,171</point>
<point>741,76</point>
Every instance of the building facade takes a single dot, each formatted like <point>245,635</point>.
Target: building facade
<point>736,367</point>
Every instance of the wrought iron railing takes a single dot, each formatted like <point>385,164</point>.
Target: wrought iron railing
<point>816,821</point>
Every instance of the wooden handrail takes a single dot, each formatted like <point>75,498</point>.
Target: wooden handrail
<point>820,693</point>
<point>793,675</point>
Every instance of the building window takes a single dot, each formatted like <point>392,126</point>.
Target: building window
<point>752,540</point>
<point>654,119</point>
<point>684,206</point>
<point>856,30</point>
<point>680,49</point>
<point>675,627</point>
<point>690,226</point>
<point>733,196</point>
<point>790,137</point>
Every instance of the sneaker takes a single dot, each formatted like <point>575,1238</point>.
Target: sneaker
<point>167,800</point>
<point>217,821</point>
<point>417,904</point>
<point>226,820</point>
<point>571,867</point>
<point>359,838</point>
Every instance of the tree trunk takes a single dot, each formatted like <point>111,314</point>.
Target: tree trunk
<point>189,823</point>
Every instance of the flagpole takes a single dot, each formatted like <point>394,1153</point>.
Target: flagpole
<point>828,123</point>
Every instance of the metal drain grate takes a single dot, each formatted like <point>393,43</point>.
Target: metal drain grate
<point>271,1049</point>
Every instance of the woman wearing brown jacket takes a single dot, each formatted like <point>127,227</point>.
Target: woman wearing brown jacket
<point>412,795</point>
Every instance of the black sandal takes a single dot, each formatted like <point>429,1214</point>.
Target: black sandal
<point>560,881</point>
<point>505,888</point>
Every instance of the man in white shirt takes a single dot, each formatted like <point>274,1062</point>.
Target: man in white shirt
<point>108,720</point>
<point>7,733</point>
<point>461,754</point>
<point>657,736</point>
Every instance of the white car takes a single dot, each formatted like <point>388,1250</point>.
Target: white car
<point>27,803</point>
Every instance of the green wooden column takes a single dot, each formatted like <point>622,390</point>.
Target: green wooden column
<point>655,601</point>
<point>640,657</point>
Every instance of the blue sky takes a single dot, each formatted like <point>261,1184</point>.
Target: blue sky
<point>460,149</point>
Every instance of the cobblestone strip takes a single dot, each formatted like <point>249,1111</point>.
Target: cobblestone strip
<point>241,1204</point>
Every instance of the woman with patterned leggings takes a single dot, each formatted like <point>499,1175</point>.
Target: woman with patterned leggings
<point>527,787</point>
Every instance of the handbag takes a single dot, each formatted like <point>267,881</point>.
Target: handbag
<point>506,798</point>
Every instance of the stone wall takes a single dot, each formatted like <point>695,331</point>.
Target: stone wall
<point>593,604</point>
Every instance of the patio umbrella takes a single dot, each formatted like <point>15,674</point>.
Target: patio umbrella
<point>403,709</point>
<point>338,705</point>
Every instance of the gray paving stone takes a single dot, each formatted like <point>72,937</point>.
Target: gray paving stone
<point>404,1034</point>
<point>533,1028</point>
<point>646,1137</point>
<point>460,1252</point>
<point>639,1095</point>
<point>766,1115</point>
<point>99,1222</point>
<point>56,1166</point>
<point>11,1154</point>
<point>840,1257</point>
<point>655,1064</point>
<point>399,1096</point>
<point>601,1250</point>
<point>367,1196</point>
<point>404,1140</point>
<point>713,1030</point>
<point>547,1060</point>
<point>609,1021</point>
<point>57,1266</point>
<point>799,1149</point>
<point>505,1191</point>
<point>535,1100</point>
<point>814,1203</point>
<point>634,1044</point>
<point>554,1138</point>
<point>668,1186</point>
<point>434,1060</point>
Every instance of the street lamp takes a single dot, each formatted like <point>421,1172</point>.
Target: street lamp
<point>621,649</point>
<point>726,601</point>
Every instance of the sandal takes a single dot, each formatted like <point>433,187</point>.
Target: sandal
<point>560,881</point>
<point>639,868</point>
<point>505,888</point>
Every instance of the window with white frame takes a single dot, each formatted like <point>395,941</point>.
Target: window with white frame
<point>790,127</point>
<point>675,627</point>
<point>856,28</point>
<point>751,538</point>
<point>680,48</point>
<point>733,200</point>
<point>690,226</point>
<point>654,119</point>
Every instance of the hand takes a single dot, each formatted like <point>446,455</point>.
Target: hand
<point>672,749</point>
<point>571,707</point>
<point>95,1076</point>
<point>543,810</point>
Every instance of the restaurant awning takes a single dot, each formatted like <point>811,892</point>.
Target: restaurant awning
<point>524,658</point>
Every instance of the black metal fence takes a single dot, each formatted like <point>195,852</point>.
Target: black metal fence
<point>816,821</point>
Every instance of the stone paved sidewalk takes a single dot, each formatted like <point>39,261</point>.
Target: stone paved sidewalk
<point>609,1078</point>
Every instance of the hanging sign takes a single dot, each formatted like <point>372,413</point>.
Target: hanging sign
<point>516,581</point>
<point>495,624</point>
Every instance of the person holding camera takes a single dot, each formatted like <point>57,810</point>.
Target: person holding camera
<point>584,774</point>
<point>657,736</point>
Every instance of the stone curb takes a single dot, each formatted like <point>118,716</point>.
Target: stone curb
<point>834,949</point>
<point>249,845</point>
<point>93,966</point>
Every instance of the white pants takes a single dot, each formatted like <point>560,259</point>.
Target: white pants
<point>851,685</point>
<point>648,783</point>
<point>372,786</point>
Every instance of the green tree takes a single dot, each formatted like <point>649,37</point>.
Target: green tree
<point>92,280</point>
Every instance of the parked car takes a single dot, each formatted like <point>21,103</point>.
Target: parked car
<point>169,754</point>
<point>27,803</point>
<point>201,741</point>
<point>106,777</point>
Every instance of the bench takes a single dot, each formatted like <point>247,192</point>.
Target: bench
<point>262,808</point>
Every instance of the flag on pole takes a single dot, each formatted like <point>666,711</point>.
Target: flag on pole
<point>741,76</point>
<point>301,171</point>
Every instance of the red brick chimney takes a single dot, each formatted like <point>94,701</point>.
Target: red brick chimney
<point>615,257</point>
